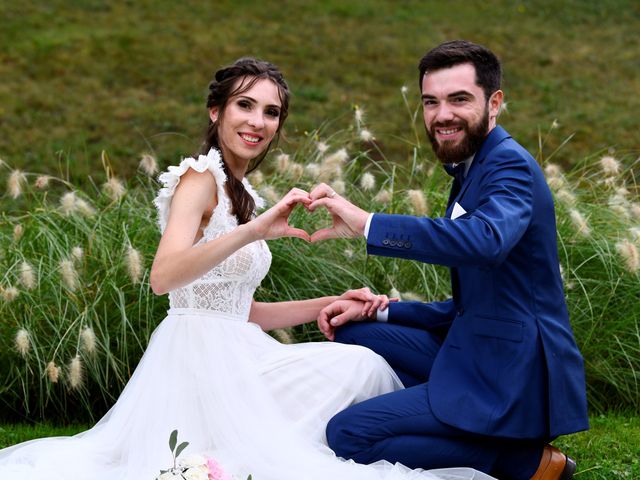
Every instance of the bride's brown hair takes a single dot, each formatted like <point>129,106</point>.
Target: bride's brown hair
<point>221,90</point>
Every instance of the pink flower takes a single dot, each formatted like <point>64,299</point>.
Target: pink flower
<point>215,471</point>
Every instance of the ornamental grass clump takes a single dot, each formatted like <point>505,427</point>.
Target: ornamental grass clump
<point>89,311</point>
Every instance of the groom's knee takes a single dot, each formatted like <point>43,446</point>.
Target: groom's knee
<point>343,436</point>
<point>356,333</point>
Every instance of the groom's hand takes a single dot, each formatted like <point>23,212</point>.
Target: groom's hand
<point>338,313</point>
<point>348,220</point>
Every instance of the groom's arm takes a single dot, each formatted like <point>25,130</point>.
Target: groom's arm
<point>434,316</point>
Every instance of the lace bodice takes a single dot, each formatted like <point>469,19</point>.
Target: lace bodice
<point>229,287</point>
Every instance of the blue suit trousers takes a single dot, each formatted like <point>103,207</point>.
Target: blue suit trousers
<point>401,427</point>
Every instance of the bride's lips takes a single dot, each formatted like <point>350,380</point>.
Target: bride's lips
<point>250,139</point>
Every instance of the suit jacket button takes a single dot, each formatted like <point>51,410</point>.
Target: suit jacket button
<point>385,241</point>
<point>392,243</point>
<point>407,244</point>
<point>460,311</point>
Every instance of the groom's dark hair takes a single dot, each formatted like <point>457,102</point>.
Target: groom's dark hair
<point>456,52</point>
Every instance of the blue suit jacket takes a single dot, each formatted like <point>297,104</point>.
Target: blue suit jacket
<point>509,365</point>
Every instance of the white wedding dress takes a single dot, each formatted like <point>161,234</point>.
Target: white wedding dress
<point>233,392</point>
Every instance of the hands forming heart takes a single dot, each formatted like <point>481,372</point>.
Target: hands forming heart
<point>348,220</point>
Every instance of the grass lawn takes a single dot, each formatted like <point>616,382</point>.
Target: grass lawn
<point>610,450</point>
<point>127,77</point>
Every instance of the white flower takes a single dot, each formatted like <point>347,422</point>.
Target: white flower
<point>193,460</point>
<point>367,181</point>
<point>554,124</point>
<point>195,474</point>
<point>404,90</point>
<point>359,116</point>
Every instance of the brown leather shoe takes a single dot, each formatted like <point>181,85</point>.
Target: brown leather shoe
<point>554,465</point>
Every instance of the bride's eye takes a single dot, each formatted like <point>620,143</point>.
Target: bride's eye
<point>273,112</point>
<point>244,104</point>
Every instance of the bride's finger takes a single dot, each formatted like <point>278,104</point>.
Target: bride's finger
<point>298,233</point>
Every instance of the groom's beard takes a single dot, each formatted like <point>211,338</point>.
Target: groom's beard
<point>456,152</point>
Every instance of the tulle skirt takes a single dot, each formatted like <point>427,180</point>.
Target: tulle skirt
<point>235,394</point>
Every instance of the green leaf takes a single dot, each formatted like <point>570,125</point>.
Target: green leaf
<point>181,447</point>
<point>173,439</point>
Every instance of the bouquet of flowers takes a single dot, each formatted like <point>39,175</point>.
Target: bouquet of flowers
<point>192,467</point>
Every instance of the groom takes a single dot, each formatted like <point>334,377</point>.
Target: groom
<point>492,374</point>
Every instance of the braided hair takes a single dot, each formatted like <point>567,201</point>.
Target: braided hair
<point>225,86</point>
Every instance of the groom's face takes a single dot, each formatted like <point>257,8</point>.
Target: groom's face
<point>457,116</point>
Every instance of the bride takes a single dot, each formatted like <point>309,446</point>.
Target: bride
<point>257,406</point>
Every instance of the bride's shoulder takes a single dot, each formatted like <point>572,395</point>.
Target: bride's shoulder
<point>191,173</point>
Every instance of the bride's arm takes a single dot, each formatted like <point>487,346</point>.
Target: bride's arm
<point>177,262</point>
<point>296,312</point>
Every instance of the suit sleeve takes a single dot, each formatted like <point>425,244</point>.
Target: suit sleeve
<point>434,316</point>
<point>482,237</point>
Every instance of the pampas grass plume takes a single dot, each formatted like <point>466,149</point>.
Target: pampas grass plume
<point>418,202</point>
<point>76,373</point>
<point>339,186</point>
<point>69,274</point>
<point>283,336</point>
<point>579,222</point>
<point>114,188</point>
<point>88,340</point>
<point>23,342</point>
<point>610,166</point>
<point>282,162</point>
<point>629,253</point>
<point>134,264</point>
<point>27,276</point>
<point>270,194</point>
<point>366,135</point>
<point>9,294</point>
<point>322,147</point>
<point>15,183</point>
<point>256,178</point>
<point>18,231</point>
<point>68,203</point>
<point>77,253</point>
<point>148,164</point>
<point>53,372</point>
<point>383,196</point>
<point>367,181</point>
<point>42,182</point>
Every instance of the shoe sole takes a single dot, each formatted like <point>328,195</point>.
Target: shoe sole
<point>569,469</point>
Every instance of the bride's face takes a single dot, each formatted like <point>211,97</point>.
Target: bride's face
<point>248,123</point>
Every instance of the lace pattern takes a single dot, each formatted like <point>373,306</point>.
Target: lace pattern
<point>229,286</point>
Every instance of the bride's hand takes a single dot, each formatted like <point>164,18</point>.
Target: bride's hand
<point>274,223</point>
<point>371,302</point>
